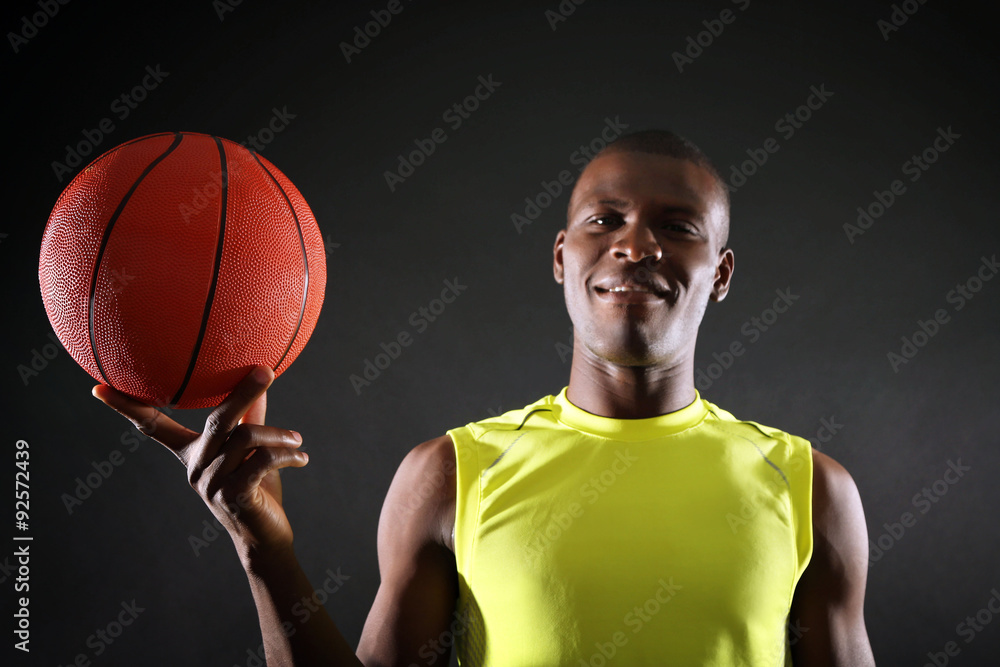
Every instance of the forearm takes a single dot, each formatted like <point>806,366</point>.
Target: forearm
<point>278,585</point>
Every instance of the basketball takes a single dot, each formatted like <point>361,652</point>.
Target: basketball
<point>175,262</point>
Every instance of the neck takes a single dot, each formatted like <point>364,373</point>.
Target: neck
<point>629,392</point>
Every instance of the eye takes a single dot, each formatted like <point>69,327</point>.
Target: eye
<point>679,226</point>
<point>606,220</point>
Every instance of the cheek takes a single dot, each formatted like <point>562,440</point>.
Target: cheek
<point>696,270</point>
<point>576,269</point>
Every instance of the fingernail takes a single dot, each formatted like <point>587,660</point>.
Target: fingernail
<point>260,374</point>
<point>296,436</point>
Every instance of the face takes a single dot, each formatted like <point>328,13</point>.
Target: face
<point>641,257</point>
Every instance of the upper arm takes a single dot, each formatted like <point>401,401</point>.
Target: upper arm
<point>413,608</point>
<point>828,605</point>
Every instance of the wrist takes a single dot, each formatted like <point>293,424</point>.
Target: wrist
<point>258,559</point>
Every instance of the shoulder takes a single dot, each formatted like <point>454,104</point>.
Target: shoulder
<point>829,598</point>
<point>834,490</point>
<point>421,497</point>
<point>429,456</point>
<point>839,528</point>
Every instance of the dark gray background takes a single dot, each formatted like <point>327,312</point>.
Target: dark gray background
<point>495,348</point>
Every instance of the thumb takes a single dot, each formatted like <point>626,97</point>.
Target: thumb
<point>255,413</point>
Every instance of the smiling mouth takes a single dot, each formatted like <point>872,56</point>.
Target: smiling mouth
<point>629,293</point>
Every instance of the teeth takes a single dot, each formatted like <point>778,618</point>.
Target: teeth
<point>629,288</point>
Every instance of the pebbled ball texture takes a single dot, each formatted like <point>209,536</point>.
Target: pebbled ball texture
<point>173,263</point>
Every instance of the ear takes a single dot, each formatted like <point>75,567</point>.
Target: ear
<point>557,256</point>
<point>723,275</point>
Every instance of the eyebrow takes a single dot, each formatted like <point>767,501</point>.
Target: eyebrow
<point>624,203</point>
<point>613,202</point>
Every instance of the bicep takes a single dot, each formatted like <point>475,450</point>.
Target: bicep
<point>409,620</point>
<point>828,605</point>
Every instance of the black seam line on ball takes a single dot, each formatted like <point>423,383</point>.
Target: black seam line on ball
<point>305,259</point>
<point>104,244</point>
<point>112,151</point>
<point>215,272</point>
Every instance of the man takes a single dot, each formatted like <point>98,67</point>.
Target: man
<point>623,519</point>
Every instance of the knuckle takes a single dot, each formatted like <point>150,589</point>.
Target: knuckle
<point>193,476</point>
<point>214,424</point>
<point>147,425</point>
<point>200,479</point>
<point>222,498</point>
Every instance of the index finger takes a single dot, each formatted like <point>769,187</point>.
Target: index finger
<point>146,418</point>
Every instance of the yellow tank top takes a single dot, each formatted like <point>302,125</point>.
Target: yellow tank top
<point>582,540</point>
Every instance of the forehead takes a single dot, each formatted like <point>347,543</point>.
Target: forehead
<point>648,179</point>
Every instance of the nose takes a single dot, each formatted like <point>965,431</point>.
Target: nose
<point>636,242</point>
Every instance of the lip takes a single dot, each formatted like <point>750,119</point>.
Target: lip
<point>628,292</point>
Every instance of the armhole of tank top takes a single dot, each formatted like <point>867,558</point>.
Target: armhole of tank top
<point>801,511</point>
<point>479,505</point>
<point>465,440</point>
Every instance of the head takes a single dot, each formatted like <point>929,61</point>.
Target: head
<point>644,249</point>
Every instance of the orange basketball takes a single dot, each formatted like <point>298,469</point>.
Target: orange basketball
<point>173,263</point>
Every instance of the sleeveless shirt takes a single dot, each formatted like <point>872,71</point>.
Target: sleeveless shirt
<point>586,540</point>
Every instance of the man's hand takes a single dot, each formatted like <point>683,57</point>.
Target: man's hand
<point>233,464</point>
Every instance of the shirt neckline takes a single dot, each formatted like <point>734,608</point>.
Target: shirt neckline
<point>629,429</point>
